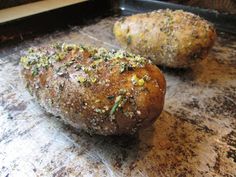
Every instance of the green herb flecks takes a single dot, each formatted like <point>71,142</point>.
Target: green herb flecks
<point>129,40</point>
<point>60,56</point>
<point>69,63</point>
<point>116,104</point>
<point>86,81</point>
<point>81,79</point>
<point>110,97</point>
<point>78,67</point>
<point>125,67</point>
<point>93,79</point>
<point>97,110</point>
<point>35,71</point>
<point>43,62</point>
<point>25,62</point>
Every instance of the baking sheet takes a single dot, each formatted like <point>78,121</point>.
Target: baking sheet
<point>194,136</point>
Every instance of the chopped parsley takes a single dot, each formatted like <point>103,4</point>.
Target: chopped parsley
<point>116,104</point>
<point>110,97</point>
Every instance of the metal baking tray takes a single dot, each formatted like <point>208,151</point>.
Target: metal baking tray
<point>194,136</point>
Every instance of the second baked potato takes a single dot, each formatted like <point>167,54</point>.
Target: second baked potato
<point>169,38</point>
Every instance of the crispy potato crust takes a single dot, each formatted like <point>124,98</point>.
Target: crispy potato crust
<point>169,38</point>
<point>95,90</point>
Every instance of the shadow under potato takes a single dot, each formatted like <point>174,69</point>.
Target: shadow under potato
<point>209,71</point>
<point>181,73</point>
<point>170,142</point>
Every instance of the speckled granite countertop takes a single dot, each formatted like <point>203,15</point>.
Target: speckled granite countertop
<point>195,135</point>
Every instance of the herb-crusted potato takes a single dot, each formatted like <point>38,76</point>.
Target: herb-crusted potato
<point>103,92</point>
<point>169,38</point>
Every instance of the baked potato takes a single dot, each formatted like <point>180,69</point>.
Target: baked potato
<point>99,91</point>
<point>169,38</point>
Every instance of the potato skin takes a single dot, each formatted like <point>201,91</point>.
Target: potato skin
<point>169,38</point>
<point>95,90</point>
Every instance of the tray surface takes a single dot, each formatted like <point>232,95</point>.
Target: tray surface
<point>194,136</point>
